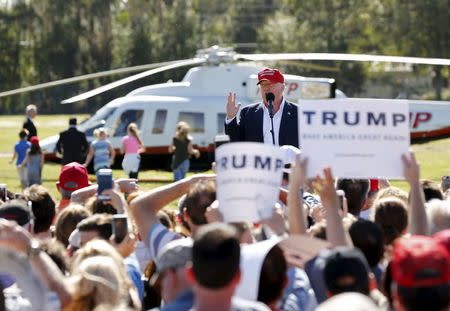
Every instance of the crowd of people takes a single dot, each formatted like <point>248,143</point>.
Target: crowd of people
<point>384,249</point>
<point>331,244</point>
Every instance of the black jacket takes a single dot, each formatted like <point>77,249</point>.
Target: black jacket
<point>29,125</point>
<point>250,127</point>
<point>73,145</point>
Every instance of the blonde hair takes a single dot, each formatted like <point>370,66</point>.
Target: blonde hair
<point>390,192</point>
<point>98,247</point>
<point>182,130</point>
<point>133,129</point>
<point>99,131</point>
<point>96,280</point>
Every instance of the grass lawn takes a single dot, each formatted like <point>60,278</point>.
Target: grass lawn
<point>434,157</point>
<point>49,125</point>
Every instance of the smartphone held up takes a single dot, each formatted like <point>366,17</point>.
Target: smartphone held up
<point>105,182</point>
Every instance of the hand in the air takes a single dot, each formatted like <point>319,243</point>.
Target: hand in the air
<point>232,107</point>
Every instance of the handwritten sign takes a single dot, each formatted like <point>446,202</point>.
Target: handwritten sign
<point>248,180</point>
<point>358,138</point>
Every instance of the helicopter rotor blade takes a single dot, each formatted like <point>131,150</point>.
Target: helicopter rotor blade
<point>345,57</point>
<point>85,77</point>
<point>306,65</point>
<point>109,86</point>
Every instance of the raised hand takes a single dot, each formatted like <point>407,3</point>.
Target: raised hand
<point>325,188</point>
<point>232,107</point>
<point>298,175</point>
<point>127,185</point>
<point>411,168</point>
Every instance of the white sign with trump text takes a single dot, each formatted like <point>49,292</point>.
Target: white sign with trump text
<point>248,180</point>
<point>358,138</point>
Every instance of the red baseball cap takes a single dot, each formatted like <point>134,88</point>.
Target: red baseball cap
<point>34,140</point>
<point>374,185</point>
<point>73,176</point>
<point>272,75</point>
<point>420,261</point>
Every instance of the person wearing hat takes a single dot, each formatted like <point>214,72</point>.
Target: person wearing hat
<point>72,144</point>
<point>254,122</point>
<point>34,162</point>
<point>19,212</point>
<point>176,291</point>
<point>421,274</point>
<point>73,176</point>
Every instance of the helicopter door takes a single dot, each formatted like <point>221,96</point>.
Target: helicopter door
<point>119,128</point>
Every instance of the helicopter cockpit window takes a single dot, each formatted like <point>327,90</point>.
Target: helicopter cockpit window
<point>196,121</point>
<point>97,121</point>
<point>159,122</point>
<point>127,117</point>
<point>220,123</point>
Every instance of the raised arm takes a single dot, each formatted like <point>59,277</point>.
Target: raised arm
<point>296,215</point>
<point>145,207</point>
<point>335,229</point>
<point>126,185</point>
<point>418,223</point>
<point>16,238</point>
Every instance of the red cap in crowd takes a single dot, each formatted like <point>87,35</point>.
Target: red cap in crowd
<point>272,75</point>
<point>374,185</point>
<point>73,176</point>
<point>34,140</point>
<point>420,261</point>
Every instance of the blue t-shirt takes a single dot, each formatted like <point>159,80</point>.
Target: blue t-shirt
<point>21,148</point>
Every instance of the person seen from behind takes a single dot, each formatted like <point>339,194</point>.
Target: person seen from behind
<point>132,146</point>
<point>101,150</point>
<point>182,148</point>
<point>215,271</point>
<point>20,152</point>
<point>34,161</point>
<point>72,144</point>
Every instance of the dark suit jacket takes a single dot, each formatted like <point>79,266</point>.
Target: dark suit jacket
<point>29,125</point>
<point>73,145</point>
<point>250,127</point>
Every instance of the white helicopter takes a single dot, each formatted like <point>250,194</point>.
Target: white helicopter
<point>200,98</point>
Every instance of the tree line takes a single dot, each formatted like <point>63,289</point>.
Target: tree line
<point>46,40</point>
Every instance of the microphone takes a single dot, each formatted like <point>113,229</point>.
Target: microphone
<point>270,97</point>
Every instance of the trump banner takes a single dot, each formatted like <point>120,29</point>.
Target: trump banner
<point>358,138</point>
<point>248,180</point>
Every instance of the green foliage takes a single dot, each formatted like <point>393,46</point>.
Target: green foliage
<point>53,39</point>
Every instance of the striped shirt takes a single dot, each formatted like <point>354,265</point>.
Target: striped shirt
<point>158,236</point>
<point>101,154</point>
